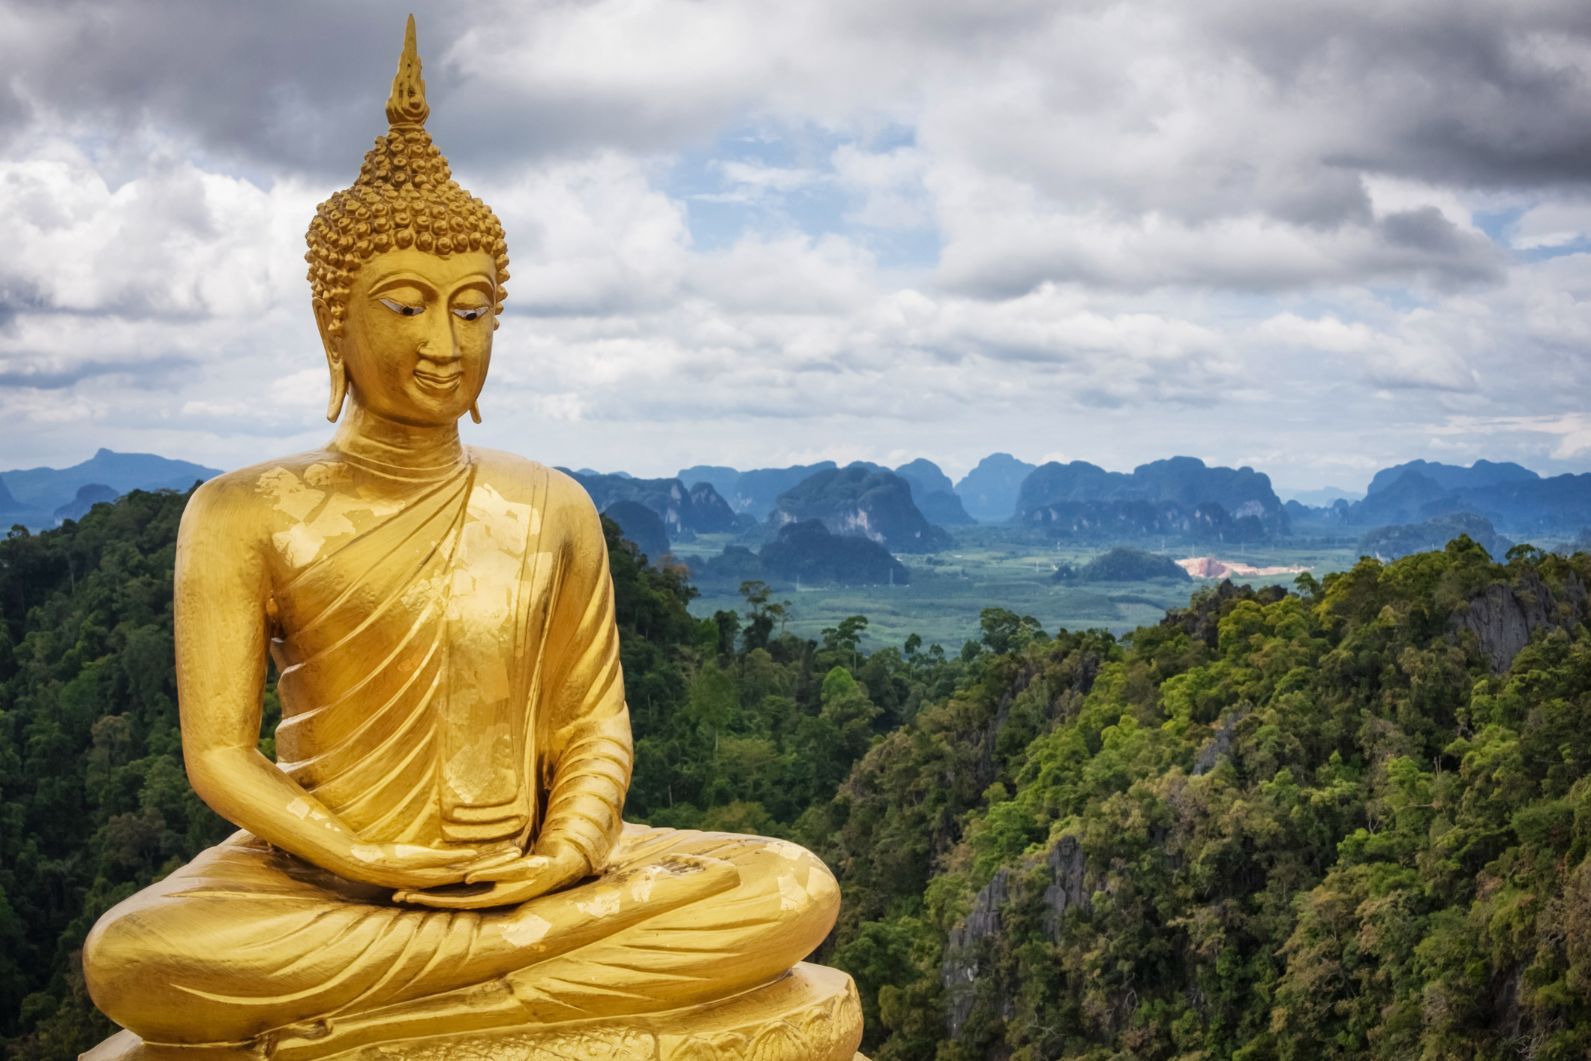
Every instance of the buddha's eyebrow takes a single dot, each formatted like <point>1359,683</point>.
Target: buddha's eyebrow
<point>400,279</point>
<point>479,282</point>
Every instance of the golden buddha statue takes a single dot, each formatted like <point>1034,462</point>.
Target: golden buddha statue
<point>435,866</point>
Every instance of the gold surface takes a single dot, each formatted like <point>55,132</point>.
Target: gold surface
<point>435,866</point>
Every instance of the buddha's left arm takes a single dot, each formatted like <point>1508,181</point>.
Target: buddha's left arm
<point>587,724</point>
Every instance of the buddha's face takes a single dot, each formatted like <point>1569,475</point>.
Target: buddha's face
<point>417,338</point>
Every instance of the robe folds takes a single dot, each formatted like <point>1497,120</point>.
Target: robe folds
<point>449,674</point>
<point>453,673</point>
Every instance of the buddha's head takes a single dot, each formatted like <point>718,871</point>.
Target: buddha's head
<point>407,270</point>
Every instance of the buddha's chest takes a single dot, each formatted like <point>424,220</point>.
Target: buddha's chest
<point>461,555</point>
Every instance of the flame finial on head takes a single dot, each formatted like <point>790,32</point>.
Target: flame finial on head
<point>406,106</point>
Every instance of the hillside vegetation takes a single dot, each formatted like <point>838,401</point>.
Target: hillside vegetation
<point>1347,821</point>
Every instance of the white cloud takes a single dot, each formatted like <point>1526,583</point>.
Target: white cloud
<point>176,240</point>
<point>888,183</point>
<point>589,236</point>
<point>1552,224</point>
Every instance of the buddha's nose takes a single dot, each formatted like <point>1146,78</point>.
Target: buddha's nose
<point>439,345</point>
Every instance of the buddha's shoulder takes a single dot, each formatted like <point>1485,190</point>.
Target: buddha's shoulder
<point>521,479</point>
<point>247,492</point>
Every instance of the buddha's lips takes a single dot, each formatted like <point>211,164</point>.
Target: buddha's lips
<point>438,380</point>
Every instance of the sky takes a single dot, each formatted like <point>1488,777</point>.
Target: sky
<point>1313,239</point>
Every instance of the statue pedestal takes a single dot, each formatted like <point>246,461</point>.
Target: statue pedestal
<point>809,1014</point>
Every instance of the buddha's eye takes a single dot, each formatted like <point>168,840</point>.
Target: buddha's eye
<point>471,313</point>
<point>403,309</point>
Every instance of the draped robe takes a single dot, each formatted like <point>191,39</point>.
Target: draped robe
<point>450,674</point>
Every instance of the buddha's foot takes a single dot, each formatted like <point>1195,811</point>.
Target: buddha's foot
<point>809,1014</point>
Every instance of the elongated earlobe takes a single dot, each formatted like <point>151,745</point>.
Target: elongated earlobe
<point>339,390</point>
<point>475,412</point>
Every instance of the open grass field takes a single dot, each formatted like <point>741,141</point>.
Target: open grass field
<point>1000,567</point>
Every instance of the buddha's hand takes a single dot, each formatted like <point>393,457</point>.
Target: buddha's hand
<point>406,866</point>
<point>552,866</point>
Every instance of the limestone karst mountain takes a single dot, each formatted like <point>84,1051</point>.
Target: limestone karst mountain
<point>1399,540</point>
<point>1124,564</point>
<point>641,526</point>
<point>1181,497</point>
<point>1560,504</point>
<point>1482,473</point>
<point>934,493</point>
<point>752,492</point>
<point>862,500</point>
<point>684,512</point>
<point>1514,500</point>
<point>87,497</point>
<point>989,491</point>
<point>806,553</point>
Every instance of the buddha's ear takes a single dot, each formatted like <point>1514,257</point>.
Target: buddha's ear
<point>329,342</point>
<point>332,344</point>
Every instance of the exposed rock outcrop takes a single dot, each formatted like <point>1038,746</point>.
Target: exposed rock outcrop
<point>1504,618</point>
<point>965,949</point>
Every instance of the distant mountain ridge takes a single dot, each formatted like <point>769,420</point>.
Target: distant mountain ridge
<point>1482,473</point>
<point>41,497</point>
<point>1177,496</point>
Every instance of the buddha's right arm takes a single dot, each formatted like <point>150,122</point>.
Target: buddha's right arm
<point>221,589</point>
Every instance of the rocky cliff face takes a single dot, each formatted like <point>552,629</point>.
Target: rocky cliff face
<point>1040,889</point>
<point>1504,618</point>
<point>710,513</point>
<point>966,950</point>
<point>1102,521</point>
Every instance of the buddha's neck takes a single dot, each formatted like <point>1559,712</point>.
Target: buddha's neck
<point>406,450</point>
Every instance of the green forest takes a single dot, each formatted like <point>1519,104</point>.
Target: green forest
<point>1349,820</point>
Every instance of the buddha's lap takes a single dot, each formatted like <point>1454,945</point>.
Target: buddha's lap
<point>216,942</point>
